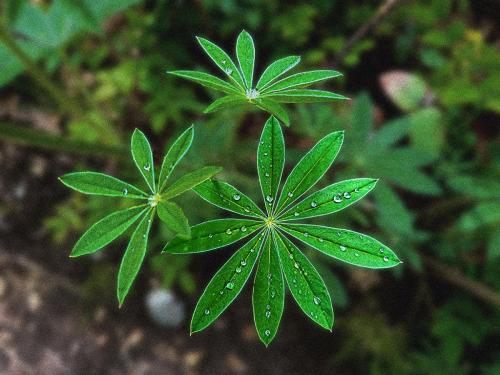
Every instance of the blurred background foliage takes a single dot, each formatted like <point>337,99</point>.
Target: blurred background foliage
<point>77,77</point>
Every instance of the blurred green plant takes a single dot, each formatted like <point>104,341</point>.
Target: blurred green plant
<point>275,253</point>
<point>112,226</point>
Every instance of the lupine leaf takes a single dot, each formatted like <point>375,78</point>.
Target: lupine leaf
<point>212,235</point>
<point>277,69</point>
<point>189,181</point>
<point>173,216</point>
<point>143,157</point>
<point>345,245</point>
<point>222,60</point>
<point>227,197</point>
<point>174,155</point>
<point>94,183</point>
<point>301,80</point>
<point>106,230</point>
<point>310,168</point>
<point>268,297</point>
<point>133,257</point>
<point>303,96</point>
<point>270,161</point>
<point>206,80</point>
<point>226,284</point>
<point>305,283</point>
<point>228,101</point>
<point>331,199</point>
<point>274,108</point>
<point>245,52</point>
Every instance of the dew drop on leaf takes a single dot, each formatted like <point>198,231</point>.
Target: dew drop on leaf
<point>314,204</point>
<point>296,265</point>
<point>125,191</point>
<point>147,167</point>
<point>306,234</point>
<point>229,231</point>
<point>207,311</point>
<point>236,197</point>
<point>342,248</point>
<point>228,71</point>
<point>356,254</point>
<point>267,174</point>
<point>381,250</point>
<point>269,198</point>
<point>210,235</point>
<point>316,300</point>
<point>243,263</point>
<point>246,209</point>
<point>267,332</point>
<point>268,314</point>
<point>238,269</point>
<point>386,258</point>
<point>243,228</point>
<point>337,199</point>
<point>290,194</point>
<point>347,195</point>
<point>230,285</point>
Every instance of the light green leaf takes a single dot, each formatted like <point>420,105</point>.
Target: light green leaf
<point>361,119</point>
<point>212,235</point>
<point>226,284</point>
<point>222,60</point>
<point>94,183</point>
<point>227,197</point>
<point>331,199</point>
<point>268,293</point>
<point>206,80</point>
<point>245,52</point>
<point>189,181</point>
<point>274,108</point>
<point>270,161</point>
<point>310,169</point>
<point>305,283</point>
<point>106,230</point>
<point>301,80</point>
<point>345,245</point>
<point>133,257</point>
<point>143,157</point>
<point>304,96</point>
<point>277,69</point>
<point>225,102</point>
<point>174,155</point>
<point>173,216</point>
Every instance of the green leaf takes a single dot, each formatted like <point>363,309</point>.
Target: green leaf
<point>361,119</point>
<point>277,69</point>
<point>143,157</point>
<point>245,52</point>
<point>345,245</point>
<point>206,80</point>
<point>225,102</point>
<point>274,108</point>
<point>212,235</point>
<point>268,296</point>
<point>173,216</point>
<point>305,283</point>
<point>94,183</point>
<point>301,80</point>
<point>494,245</point>
<point>331,199</point>
<point>222,60</point>
<point>174,155</point>
<point>133,257</point>
<point>226,284</point>
<point>106,230</point>
<point>189,181</point>
<point>270,161</point>
<point>304,96</point>
<point>227,197</point>
<point>310,169</point>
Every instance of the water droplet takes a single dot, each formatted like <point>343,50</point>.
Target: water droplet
<point>268,314</point>
<point>269,198</point>
<point>291,256</point>
<point>223,62</point>
<point>243,228</point>
<point>356,254</point>
<point>342,248</point>
<point>306,234</point>
<point>210,235</point>
<point>125,191</point>
<point>273,293</point>
<point>294,281</point>
<point>229,231</point>
<point>296,265</point>
<point>300,291</point>
<point>314,204</point>
<point>268,307</point>
<point>267,332</point>
<point>230,285</point>
<point>144,236</point>
<point>221,292</point>
<point>246,209</point>
<point>267,174</point>
<point>290,194</point>
<point>320,239</point>
<point>243,263</point>
<point>147,167</point>
<point>265,153</point>
<point>316,300</point>
<point>356,190</point>
<point>296,214</point>
<point>207,311</point>
<point>252,94</point>
<point>236,197</point>
<point>381,250</point>
<point>238,269</point>
<point>347,195</point>
<point>228,71</point>
<point>269,276</point>
<point>386,258</point>
<point>337,199</point>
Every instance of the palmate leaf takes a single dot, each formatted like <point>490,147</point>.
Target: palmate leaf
<point>212,235</point>
<point>94,183</point>
<point>133,257</point>
<point>106,230</point>
<point>305,283</point>
<point>301,80</point>
<point>245,52</point>
<point>189,181</point>
<point>273,108</point>
<point>206,80</point>
<point>143,157</point>
<point>174,155</point>
<point>276,70</point>
<point>268,297</point>
<point>173,216</point>
<point>227,283</point>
